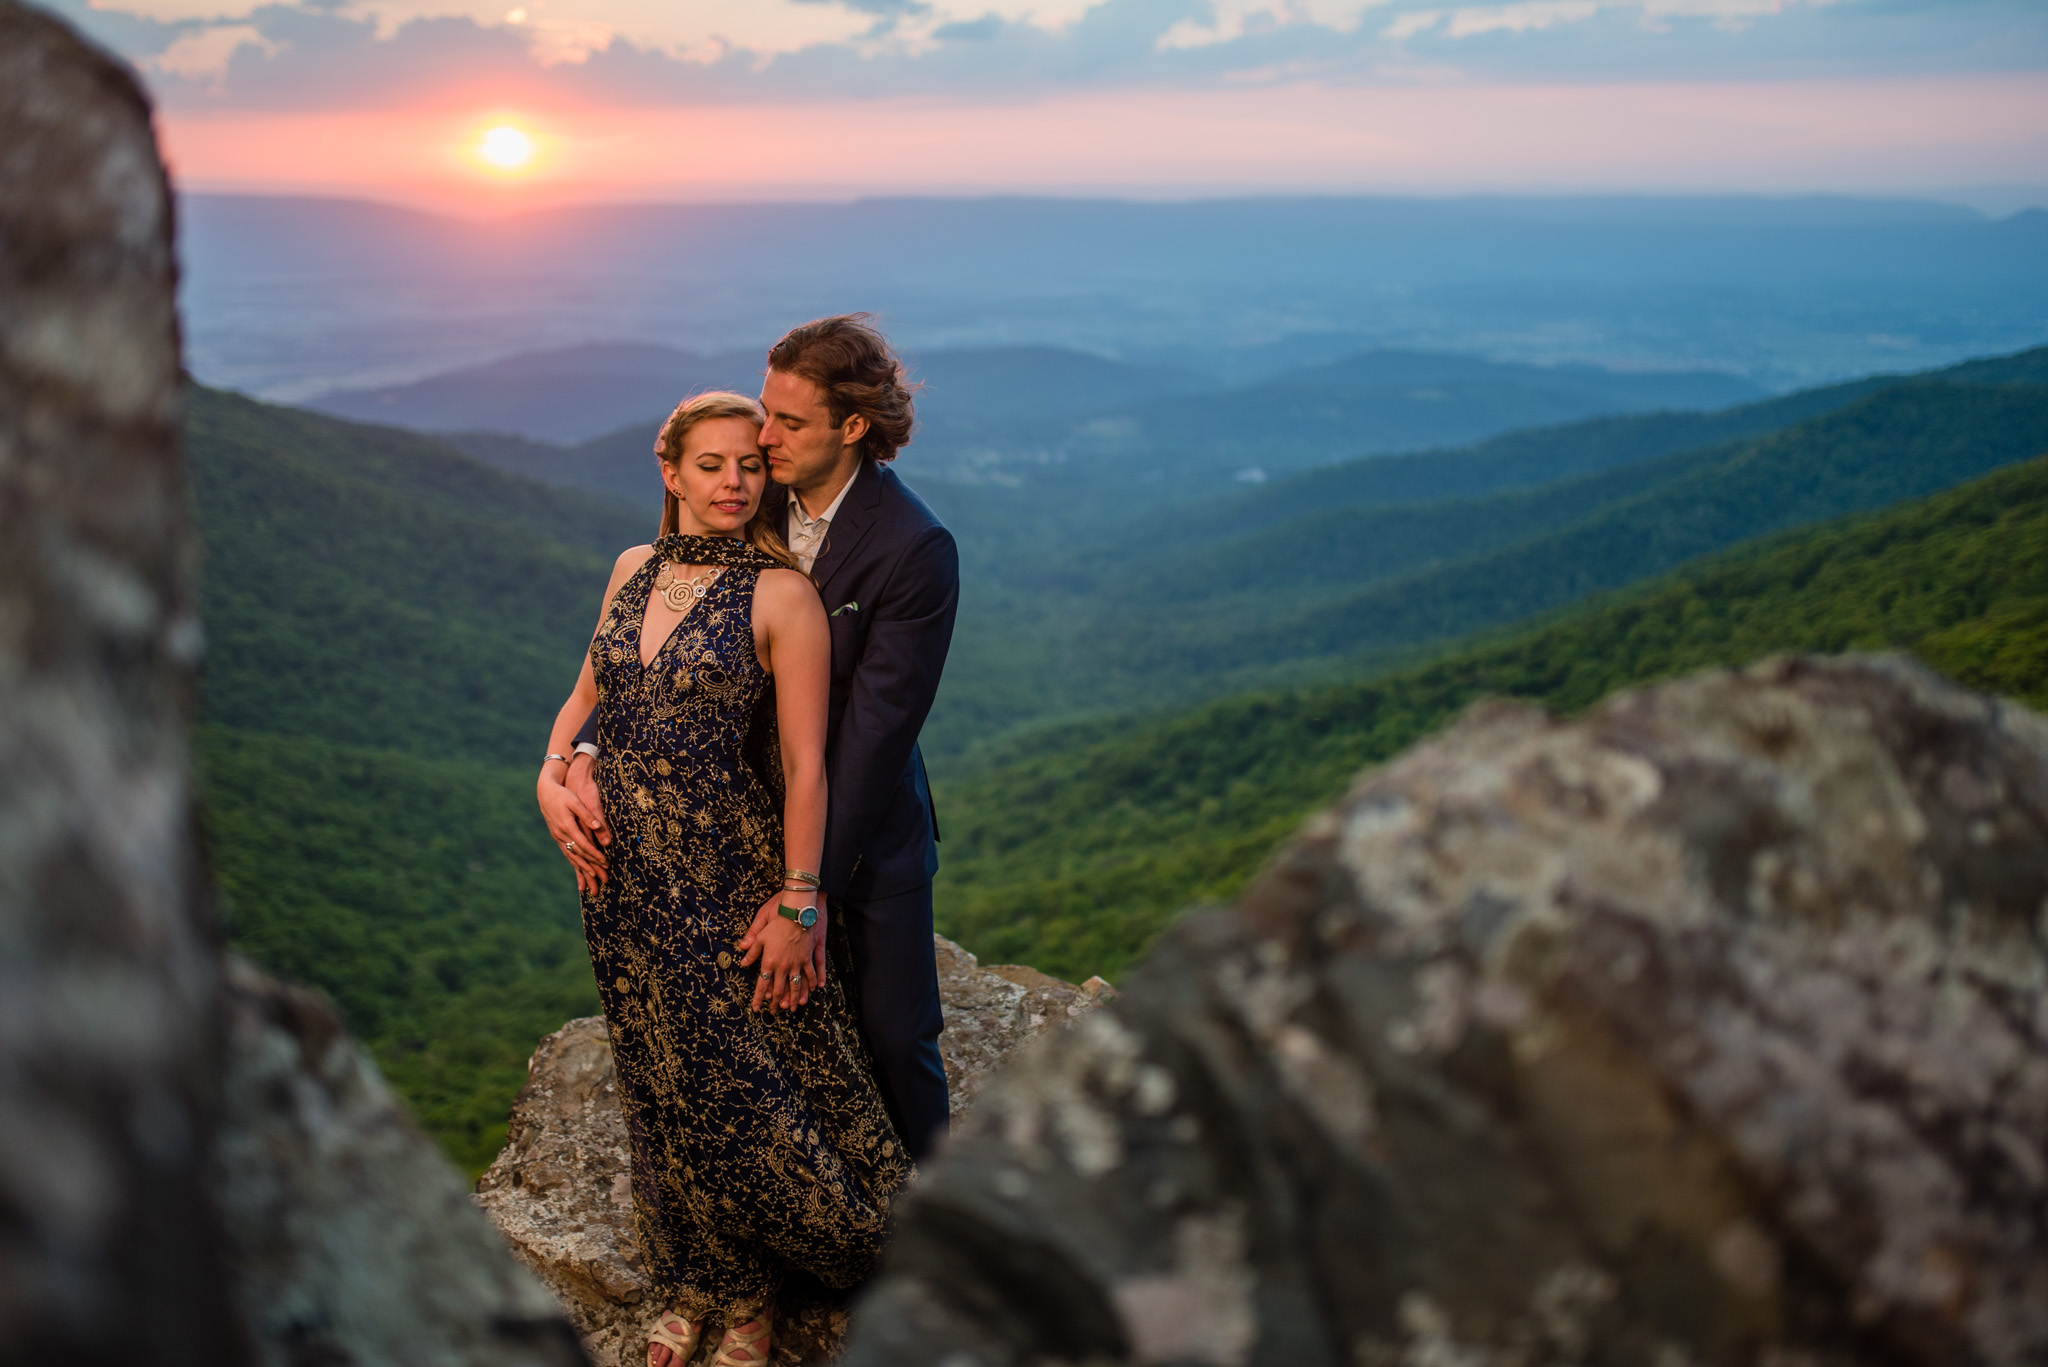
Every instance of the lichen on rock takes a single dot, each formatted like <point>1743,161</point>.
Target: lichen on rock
<point>1709,1028</point>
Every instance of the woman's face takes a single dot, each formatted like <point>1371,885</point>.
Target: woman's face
<point>719,478</point>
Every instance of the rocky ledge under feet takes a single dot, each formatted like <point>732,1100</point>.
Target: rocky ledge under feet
<point>561,1195</point>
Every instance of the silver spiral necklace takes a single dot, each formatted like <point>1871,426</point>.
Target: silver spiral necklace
<point>679,592</point>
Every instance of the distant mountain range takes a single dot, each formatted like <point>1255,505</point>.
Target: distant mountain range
<point>285,298</point>
<point>1011,416</point>
<point>1364,404</point>
<point>1331,577</point>
<point>553,396</point>
<point>579,393</point>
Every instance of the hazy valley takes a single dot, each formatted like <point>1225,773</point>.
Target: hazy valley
<point>1249,493</point>
<point>1145,693</point>
<point>288,298</point>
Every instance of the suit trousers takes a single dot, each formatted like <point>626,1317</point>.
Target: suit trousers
<point>896,984</point>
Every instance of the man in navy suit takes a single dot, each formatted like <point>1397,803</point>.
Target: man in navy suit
<point>838,411</point>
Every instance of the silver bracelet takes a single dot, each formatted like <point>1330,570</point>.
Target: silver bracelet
<point>545,758</point>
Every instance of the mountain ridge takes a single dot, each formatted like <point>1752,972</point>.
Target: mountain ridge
<point>1077,845</point>
<point>1140,626</point>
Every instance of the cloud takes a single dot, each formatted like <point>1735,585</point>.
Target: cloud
<point>678,27</point>
<point>970,30</point>
<point>203,54</point>
<point>1229,20</point>
<point>1896,135</point>
<point>1526,17</point>
<point>309,54</point>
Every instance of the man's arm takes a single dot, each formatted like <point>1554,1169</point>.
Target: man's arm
<point>892,690</point>
<point>581,780</point>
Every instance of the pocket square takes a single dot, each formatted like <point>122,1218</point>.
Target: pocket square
<point>844,607</point>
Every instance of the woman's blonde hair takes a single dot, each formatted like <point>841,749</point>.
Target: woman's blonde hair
<point>668,449</point>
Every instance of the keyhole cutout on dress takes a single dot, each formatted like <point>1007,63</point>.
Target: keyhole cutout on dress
<point>658,621</point>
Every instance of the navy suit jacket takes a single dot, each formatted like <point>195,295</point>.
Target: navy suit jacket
<point>890,577</point>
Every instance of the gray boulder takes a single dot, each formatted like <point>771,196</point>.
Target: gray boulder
<point>109,1043</point>
<point>561,1191</point>
<point>350,1237</point>
<point>196,1167</point>
<point>1709,1028</point>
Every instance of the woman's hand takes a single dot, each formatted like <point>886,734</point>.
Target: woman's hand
<point>572,823</point>
<point>788,953</point>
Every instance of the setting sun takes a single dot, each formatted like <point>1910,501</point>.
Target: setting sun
<point>506,148</point>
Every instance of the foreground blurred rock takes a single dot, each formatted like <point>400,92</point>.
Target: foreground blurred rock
<point>109,1046</point>
<point>351,1238</point>
<point>195,1167</point>
<point>562,1195</point>
<point>1708,1029</point>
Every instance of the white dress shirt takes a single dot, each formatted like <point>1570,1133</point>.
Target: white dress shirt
<point>807,533</point>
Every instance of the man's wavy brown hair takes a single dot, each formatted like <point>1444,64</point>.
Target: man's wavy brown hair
<point>853,363</point>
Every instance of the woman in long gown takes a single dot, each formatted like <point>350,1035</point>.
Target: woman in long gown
<point>759,1141</point>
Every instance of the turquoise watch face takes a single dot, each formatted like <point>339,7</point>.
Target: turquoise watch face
<point>803,916</point>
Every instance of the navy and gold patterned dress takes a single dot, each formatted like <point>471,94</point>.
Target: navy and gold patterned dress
<point>760,1143</point>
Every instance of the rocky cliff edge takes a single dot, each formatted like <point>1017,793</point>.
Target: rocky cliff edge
<point>560,1191</point>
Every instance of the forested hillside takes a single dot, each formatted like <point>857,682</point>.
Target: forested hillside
<point>392,626</point>
<point>1530,457</point>
<point>1027,418</point>
<point>1071,850</point>
<point>423,895</point>
<point>371,587</point>
<point>1361,586</point>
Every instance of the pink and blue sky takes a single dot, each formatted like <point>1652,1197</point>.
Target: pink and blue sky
<point>821,99</point>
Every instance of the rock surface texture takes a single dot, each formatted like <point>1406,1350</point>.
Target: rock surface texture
<point>351,1238</point>
<point>108,1014</point>
<point>1707,1029</point>
<point>196,1167</point>
<point>562,1195</point>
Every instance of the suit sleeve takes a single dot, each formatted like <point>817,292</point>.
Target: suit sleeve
<point>890,696</point>
<point>588,735</point>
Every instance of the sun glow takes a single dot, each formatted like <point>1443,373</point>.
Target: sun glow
<point>505,148</point>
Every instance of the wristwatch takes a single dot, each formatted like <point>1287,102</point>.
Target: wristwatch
<point>803,916</point>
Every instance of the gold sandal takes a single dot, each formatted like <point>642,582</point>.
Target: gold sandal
<point>681,1347</point>
<point>736,1342</point>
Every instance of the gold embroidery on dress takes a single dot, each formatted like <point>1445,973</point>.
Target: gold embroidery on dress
<point>759,1142</point>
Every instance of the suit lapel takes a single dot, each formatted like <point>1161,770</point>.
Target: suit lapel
<point>849,528</point>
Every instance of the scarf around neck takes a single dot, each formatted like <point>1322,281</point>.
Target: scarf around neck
<point>726,551</point>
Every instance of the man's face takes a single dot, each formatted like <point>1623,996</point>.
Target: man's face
<point>805,451</point>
